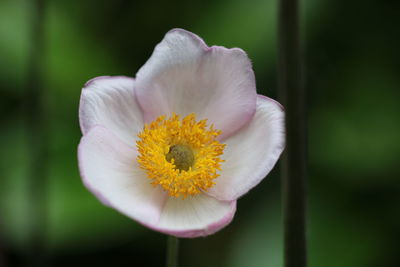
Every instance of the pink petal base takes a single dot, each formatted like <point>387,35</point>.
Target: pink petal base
<point>193,233</point>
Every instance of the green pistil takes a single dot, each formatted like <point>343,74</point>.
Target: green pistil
<point>182,155</point>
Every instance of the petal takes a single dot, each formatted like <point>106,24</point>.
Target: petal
<point>109,170</point>
<point>195,216</point>
<point>183,75</point>
<point>252,152</point>
<point>110,102</point>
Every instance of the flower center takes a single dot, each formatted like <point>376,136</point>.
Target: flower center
<point>181,156</point>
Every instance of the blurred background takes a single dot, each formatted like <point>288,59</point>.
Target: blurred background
<point>352,76</point>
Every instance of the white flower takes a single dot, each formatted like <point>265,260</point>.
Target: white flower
<point>177,175</point>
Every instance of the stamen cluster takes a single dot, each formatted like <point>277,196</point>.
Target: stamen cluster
<point>196,170</point>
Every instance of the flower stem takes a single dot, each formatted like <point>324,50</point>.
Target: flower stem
<point>292,96</point>
<point>2,254</point>
<point>37,136</point>
<point>172,251</point>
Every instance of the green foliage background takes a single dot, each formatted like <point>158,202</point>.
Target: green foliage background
<point>351,52</point>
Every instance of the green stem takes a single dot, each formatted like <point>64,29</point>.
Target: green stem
<point>37,136</point>
<point>2,254</point>
<point>172,251</point>
<point>292,96</point>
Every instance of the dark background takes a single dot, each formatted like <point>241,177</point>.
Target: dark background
<point>352,63</point>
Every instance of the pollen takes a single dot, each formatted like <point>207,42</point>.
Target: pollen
<point>180,155</point>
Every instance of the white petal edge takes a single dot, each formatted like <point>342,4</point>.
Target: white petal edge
<point>194,216</point>
<point>110,101</point>
<point>109,170</point>
<point>184,75</point>
<point>252,152</point>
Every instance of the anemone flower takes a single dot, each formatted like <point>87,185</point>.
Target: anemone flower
<point>175,147</point>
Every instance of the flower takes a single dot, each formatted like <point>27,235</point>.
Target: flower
<point>175,147</point>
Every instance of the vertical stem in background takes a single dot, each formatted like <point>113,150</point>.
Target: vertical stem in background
<point>36,137</point>
<point>2,252</point>
<point>294,160</point>
<point>172,251</point>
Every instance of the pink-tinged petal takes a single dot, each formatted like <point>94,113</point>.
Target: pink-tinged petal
<point>109,170</point>
<point>252,152</point>
<point>184,75</point>
<point>194,216</point>
<point>109,101</point>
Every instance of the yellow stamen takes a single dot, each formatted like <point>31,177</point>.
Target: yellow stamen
<point>182,156</point>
